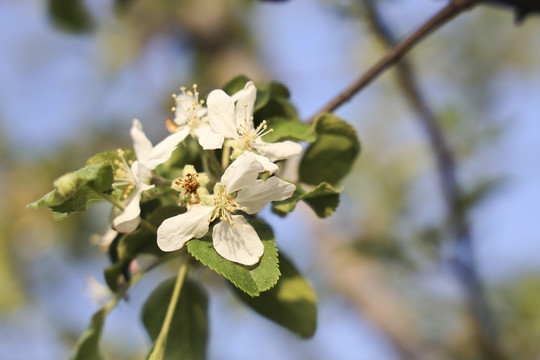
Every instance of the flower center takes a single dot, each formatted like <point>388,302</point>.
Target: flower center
<point>188,184</point>
<point>248,134</point>
<point>189,106</point>
<point>225,205</point>
<point>191,186</point>
<point>123,178</point>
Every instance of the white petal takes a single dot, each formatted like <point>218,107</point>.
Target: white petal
<point>141,144</point>
<point>221,113</point>
<point>162,151</point>
<point>128,220</point>
<point>141,174</point>
<point>209,139</point>
<point>245,104</point>
<point>256,197</point>
<point>279,150</point>
<point>173,233</point>
<point>239,243</point>
<point>181,114</point>
<point>266,164</point>
<point>242,172</point>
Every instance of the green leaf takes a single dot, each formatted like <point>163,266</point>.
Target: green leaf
<point>253,280</point>
<point>276,106</point>
<point>87,347</point>
<point>235,84</point>
<point>188,333</point>
<point>70,15</point>
<point>292,303</point>
<point>141,241</point>
<point>74,191</point>
<point>324,200</point>
<point>272,99</point>
<point>111,157</point>
<point>284,129</point>
<point>332,155</point>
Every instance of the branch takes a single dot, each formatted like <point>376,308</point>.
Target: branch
<point>454,8</point>
<point>463,263</point>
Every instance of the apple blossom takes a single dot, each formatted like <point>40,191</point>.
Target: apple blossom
<point>190,117</point>
<point>232,117</point>
<point>139,174</point>
<point>233,237</point>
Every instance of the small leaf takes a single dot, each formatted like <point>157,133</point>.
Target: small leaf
<point>251,279</point>
<point>277,106</point>
<point>141,241</point>
<point>284,129</point>
<point>272,99</point>
<point>74,191</point>
<point>70,15</point>
<point>114,273</point>
<point>331,157</point>
<point>291,303</point>
<point>111,157</point>
<point>188,333</point>
<point>87,347</point>
<point>235,84</point>
<point>324,200</point>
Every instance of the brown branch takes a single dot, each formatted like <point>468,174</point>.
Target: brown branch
<point>454,8</point>
<point>463,263</point>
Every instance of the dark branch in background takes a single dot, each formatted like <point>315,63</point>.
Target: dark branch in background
<point>522,7</point>
<point>446,14</point>
<point>463,262</point>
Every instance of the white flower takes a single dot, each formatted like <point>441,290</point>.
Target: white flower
<point>97,292</point>
<point>103,241</point>
<point>235,121</point>
<point>190,117</point>
<point>233,237</point>
<point>140,173</point>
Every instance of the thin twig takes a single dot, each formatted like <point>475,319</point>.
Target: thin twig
<point>446,14</point>
<point>463,263</point>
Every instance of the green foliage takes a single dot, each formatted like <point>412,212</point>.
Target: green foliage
<point>74,191</point>
<point>253,280</point>
<point>284,129</point>
<point>291,303</point>
<point>275,104</point>
<point>188,333</point>
<point>70,15</point>
<point>324,200</point>
<point>187,152</point>
<point>88,346</point>
<point>331,157</point>
<point>272,99</point>
<point>141,241</point>
<point>236,84</point>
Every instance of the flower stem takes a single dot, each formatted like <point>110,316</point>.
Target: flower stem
<point>112,200</point>
<point>225,157</point>
<point>211,165</point>
<point>158,352</point>
<point>148,226</point>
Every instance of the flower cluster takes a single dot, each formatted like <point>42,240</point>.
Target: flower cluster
<point>226,123</point>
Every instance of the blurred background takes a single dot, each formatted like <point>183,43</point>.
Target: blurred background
<point>74,74</point>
